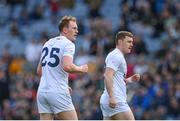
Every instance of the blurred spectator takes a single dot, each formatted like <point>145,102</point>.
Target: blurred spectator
<point>16,65</point>
<point>139,46</point>
<point>94,8</point>
<point>54,6</point>
<point>37,13</point>
<point>15,2</point>
<point>4,83</point>
<point>14,30</point>
<point>24,17</point>
<point>173,108</point>
<point>32,51</point>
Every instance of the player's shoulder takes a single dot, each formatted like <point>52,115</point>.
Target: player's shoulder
<point>57,39</point>
<point>50,40</point>
<point>65,40</point>
<point>115,54</point>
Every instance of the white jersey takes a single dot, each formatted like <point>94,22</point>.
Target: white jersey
<point>54,78</point>
<point>117,62</point>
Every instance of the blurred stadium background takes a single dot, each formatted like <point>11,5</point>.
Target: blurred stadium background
<point>26,24</point>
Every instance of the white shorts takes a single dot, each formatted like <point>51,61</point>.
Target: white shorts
<point>51,102</point>
<point>108,111</point>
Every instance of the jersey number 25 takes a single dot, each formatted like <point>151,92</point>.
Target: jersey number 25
<point>53,55</point>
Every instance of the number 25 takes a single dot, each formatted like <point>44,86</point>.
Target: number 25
<point>53,55</point>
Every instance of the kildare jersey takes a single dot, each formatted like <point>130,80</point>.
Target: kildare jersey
<point>116,61</point>
<point>54,78</point>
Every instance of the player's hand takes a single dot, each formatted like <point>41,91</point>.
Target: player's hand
<point>112,102</point>
<point>70,90</point>
<point>135,77</point>
<point>84,68</point>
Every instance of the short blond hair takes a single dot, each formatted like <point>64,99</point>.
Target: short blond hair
<point>121,35</point>
<point>64,22</point>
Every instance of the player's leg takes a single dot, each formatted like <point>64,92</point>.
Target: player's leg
<point>67,115</point>
<point>46,116</point>
<point>105,111</point>
<point>122,111</point>
<point>44,107</point>
<point>62,106</point>
<point>127,115</point>
<point>107,118</point>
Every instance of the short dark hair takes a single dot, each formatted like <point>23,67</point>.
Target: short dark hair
<point>64,22</point>
<point>121,35</point>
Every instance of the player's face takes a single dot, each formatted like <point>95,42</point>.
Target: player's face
<point>126,44</point>
<point>72,31</point>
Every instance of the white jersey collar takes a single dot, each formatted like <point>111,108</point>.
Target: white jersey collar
<point>119,51</point>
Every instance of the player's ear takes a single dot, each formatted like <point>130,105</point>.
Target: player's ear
<point>65,30</point>
<point>119,41</point>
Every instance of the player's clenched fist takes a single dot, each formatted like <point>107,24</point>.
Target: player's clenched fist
<point>135,77</point>
<point>84,68</point>
<point>112,102</point>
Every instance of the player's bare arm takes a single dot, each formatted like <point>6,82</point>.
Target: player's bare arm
<point>70,90</point>
<point>39,69</point>
<point>133,78</point>
<point>108,75</point>
<point>70,67</point>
